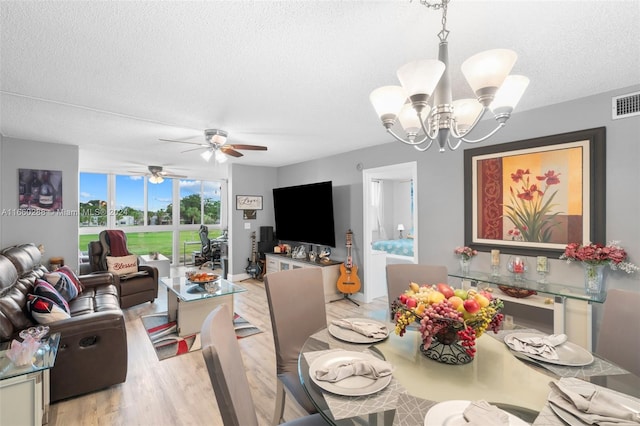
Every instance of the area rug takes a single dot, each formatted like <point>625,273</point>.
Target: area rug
<point>167,343</point>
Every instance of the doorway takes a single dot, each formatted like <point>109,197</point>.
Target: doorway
<point>390,223</point>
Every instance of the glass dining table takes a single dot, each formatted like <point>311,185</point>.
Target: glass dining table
<point>495,375</point>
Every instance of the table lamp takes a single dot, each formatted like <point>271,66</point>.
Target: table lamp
<point>400,229</point>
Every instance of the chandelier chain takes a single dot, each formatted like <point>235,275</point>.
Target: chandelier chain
<point>442,35</point>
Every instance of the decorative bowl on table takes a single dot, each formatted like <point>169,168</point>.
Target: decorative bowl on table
<point>519,293</point>
<point>202,277</point>
<point>449,322</point>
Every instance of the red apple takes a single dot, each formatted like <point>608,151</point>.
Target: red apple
<point>412,303</point>
<point>445,289</point>
<point>471,306</point>
<point>403,299</point>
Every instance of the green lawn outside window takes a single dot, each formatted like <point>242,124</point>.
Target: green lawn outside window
<point>148,242</point>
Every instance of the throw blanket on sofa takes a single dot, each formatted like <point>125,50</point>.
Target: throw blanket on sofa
<point>117,243</point>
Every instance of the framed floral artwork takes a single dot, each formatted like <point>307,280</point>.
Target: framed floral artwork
<point>532,197</point>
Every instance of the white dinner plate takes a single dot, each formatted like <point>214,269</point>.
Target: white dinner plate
<point>569,354</point>
<point>449,413</point>
<point>351,386</point>
<point>566,416</point>
<point>353,336</point>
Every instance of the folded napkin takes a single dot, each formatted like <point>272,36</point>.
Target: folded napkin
<point>481,413</point>
<point>543,345</point>
<point>593,404</point>
<point>373,369</point>
<point>369,329</point>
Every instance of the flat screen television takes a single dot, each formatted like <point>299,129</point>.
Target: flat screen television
<point>304,214</point>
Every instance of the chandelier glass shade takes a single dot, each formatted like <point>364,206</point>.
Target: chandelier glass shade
<point>423,106</point>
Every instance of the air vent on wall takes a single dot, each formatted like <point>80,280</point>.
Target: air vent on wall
<point>625,105</point>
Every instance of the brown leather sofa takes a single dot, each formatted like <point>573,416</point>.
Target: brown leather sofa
<point>132,291</point>
<point>92,354</point>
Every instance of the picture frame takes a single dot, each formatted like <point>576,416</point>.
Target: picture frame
<point>249,214</point>
<point>39,190</point>
<point>533,197</point>
<point>248,202</point>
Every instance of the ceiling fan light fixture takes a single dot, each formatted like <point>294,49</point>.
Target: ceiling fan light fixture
<point>216,136</point>
<point>220,157</point>
<point>207,154</point>
<point>156,179</point>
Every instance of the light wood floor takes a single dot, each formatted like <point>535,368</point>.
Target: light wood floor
<point>177,391</point>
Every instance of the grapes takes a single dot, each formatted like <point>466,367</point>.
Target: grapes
<point>436,318</point>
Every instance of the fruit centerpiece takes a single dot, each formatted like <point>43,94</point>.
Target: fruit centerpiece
<point>449,320</point>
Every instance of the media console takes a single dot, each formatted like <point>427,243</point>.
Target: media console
<point>330,271</point>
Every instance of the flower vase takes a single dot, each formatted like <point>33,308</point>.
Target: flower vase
<point>465,264</point>
<point>445,347</point>
<point>593,277</point>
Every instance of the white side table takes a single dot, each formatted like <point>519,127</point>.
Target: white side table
<point>24,391</point>
<point>162,263</point>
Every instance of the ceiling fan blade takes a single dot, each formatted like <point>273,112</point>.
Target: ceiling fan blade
<point>248,147</point>
<point>230,151</point>
<point>171,175</point>
<point>189,150</point>
<point>190,143</point>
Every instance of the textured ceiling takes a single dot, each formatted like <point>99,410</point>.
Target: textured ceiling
<point>113,77</point>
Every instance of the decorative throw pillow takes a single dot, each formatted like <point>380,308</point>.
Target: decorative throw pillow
<point>46,290</point>
<point>123,264</point>
<point>45,311</point>
<point>63,284</point>
<point>72,276</point>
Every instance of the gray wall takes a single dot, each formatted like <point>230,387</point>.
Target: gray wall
<point>247,180</point>
<point>58,233</point>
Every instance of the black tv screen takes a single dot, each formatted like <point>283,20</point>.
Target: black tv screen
<point>304,214</point>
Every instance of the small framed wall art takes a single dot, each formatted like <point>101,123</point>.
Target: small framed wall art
<point>248,202</point>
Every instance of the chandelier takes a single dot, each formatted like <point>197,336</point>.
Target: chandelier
<point>438,116</point>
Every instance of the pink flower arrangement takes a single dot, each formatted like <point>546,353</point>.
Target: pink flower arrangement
<point>598,254</point>
<point>465,252</point>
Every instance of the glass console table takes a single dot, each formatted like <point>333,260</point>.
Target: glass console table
<point>571,306</point>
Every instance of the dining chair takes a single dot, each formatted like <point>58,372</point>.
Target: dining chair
<point>297,310</point>
<point>616,342</point>
<point>400,275</point>
<point>223,359</point>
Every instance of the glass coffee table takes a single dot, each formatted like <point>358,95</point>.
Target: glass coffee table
<point>189,303</point>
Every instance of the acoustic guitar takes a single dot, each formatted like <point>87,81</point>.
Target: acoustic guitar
<point>348,282</point>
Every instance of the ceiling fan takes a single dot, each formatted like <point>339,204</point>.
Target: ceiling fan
<point>157,174</point>
<point>216,144</point>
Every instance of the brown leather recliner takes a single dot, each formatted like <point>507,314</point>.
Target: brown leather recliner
<point>132,291</point>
